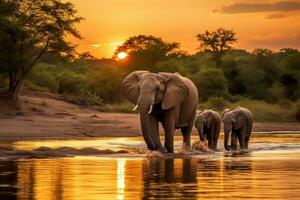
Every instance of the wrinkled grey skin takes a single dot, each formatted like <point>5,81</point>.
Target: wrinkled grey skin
<point>239,122</point>
<point>174,99</point>
<point>208,124</point>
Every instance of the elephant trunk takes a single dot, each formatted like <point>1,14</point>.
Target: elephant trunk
<point>201,133</point>
<point>227,129</point>
<point>146,126</point>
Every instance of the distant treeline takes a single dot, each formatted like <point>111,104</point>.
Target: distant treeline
<point>260,75</point>
<point>270,77</point>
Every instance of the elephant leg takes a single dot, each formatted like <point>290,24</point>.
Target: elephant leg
<point>234,140</point>
<point>169,127</point>
<point>169,139</point>
<point>211,137</point>
<point>241,137</point>
<point>155,134</point>
<point>215,144</point>
<point>210,142</point>
<point>186,133</point>
<point>248,135</point>
<point>247,142</point>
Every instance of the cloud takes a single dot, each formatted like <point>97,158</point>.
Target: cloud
<point>281,6</point>
<point>276,16</point>
<point>97,45</point>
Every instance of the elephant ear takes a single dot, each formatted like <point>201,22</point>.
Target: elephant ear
<point>176,90</point>
<point>224,112</point>
<point>209,119</point>
<point>237,119</point>
<point>129,86</point>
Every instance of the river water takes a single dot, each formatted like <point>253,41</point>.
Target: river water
<point>271,170</point>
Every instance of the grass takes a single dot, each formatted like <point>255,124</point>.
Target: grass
<point>125,107</point>
<point>261,110</point>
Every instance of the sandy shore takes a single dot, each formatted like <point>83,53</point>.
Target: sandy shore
<point>44,116</point>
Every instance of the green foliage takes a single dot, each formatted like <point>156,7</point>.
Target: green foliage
<point>125,107</point>
<point>265,112</point>
<point>41,77</point>
<point>210,82</point>
<point>242,80</point>
<point>215,103</point>
<point>84,99</point>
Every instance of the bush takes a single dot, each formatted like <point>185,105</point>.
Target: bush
<point>42,78</point>
<point>215,103</point>
<point>265,112</point>
<point>262,111</point>
<point>121,107</point>
<point>210,82</point>
<point>285,103</point>
<point>73,84</point>
<point>87,99</point>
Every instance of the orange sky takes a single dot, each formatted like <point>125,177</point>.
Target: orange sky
<point>270,24</point>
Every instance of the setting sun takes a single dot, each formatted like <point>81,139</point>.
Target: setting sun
<point>122,55</point>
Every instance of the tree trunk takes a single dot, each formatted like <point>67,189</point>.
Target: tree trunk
<point>11,97</point>
<point>218,61</point>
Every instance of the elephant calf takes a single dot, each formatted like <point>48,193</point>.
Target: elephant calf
<point>239,122</point>
<point>208,124</point>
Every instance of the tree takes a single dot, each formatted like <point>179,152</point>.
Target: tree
<point>211,82</point>
<point>29,29</point>
<point>144,51</point>
<point>217,42</point>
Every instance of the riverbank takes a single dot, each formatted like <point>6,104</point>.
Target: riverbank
<point>45,116</point>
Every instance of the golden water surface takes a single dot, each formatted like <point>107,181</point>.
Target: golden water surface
<point>268,173</point>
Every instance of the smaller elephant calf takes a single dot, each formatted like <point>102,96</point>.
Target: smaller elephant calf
<point>239,122</point>
<point>208,124</point>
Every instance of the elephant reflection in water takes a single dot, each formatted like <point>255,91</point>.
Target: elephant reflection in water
<point>8,181</point>
<point>175,172</point>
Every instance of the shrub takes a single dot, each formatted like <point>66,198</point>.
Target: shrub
<point>42,78</point>
<point>87,99</point>
<point>120,107</point>
<point>72,84</point>
<point>210,82</point>
<point>265,112</point>
<point>285,103</point>
<point>215,103</point>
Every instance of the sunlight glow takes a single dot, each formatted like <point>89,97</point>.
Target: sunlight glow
<point>121,178</point>
<point>122,55</point>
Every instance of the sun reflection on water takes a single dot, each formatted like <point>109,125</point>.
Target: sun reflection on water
<point>121,178</point>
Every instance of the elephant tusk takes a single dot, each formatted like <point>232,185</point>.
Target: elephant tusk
<point>137,105</point>
<point>150,110</point>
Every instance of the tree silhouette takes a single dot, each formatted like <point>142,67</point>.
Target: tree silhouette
<point>28,29</point>
<point>217,42</point>
<point>146,50</point>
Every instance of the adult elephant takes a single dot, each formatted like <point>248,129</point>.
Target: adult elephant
<point>162,97</point>
<point>239,122</point>
<point>208,124</point>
